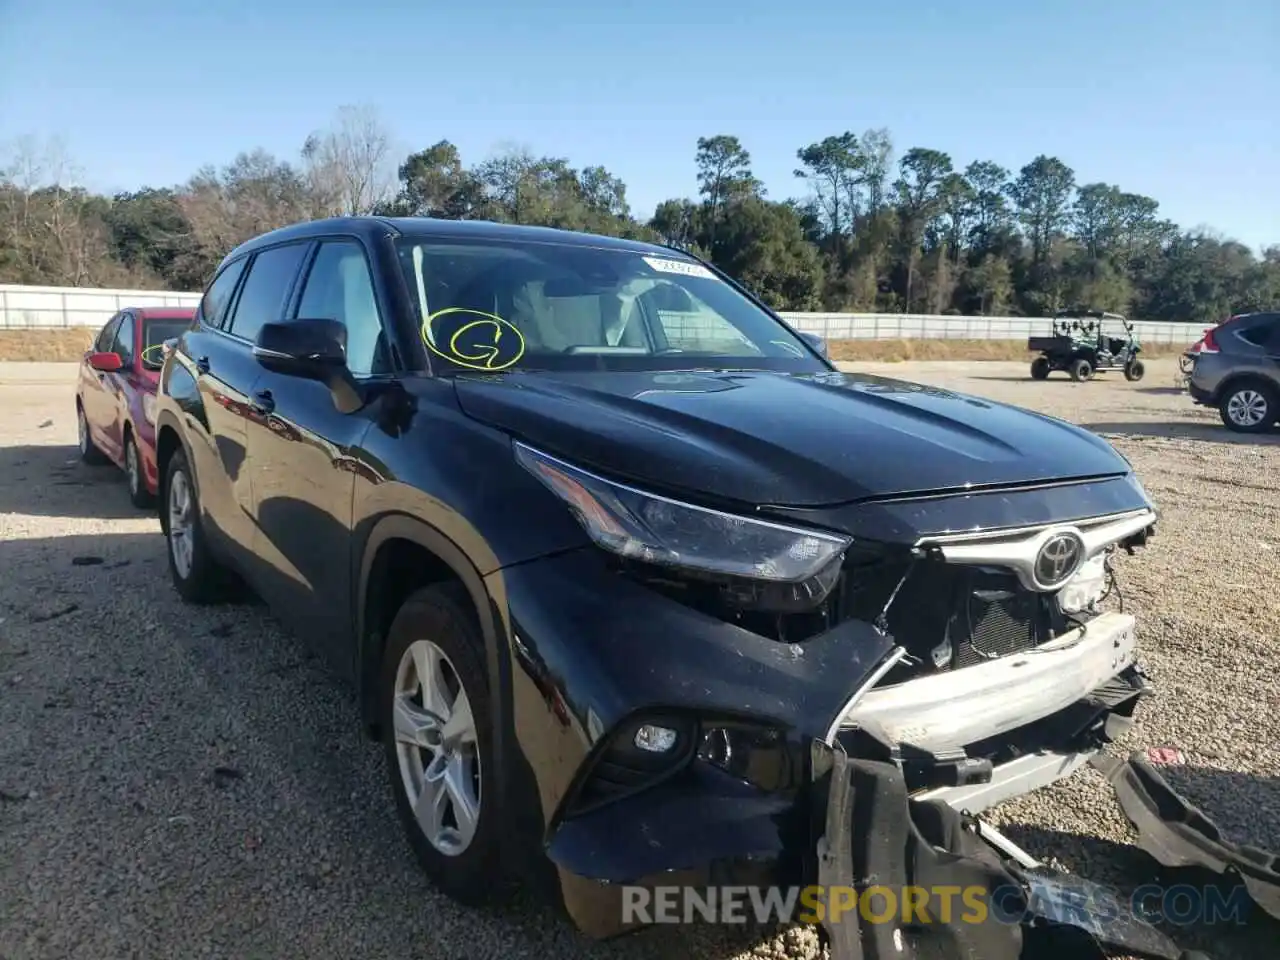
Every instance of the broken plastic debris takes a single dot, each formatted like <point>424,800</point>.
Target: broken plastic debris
<point>1165,756</point>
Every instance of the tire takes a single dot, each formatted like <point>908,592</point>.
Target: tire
<point>1080,369</point>
<point>198,578</point>
<point>89,452</point>
<point>466,865</point>
<point>1134,371</point>
<point>1249,406</point>
<point>1039,368</point>
<point>139,495</point>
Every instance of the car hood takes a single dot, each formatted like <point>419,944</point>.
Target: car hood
<point>790,439</point>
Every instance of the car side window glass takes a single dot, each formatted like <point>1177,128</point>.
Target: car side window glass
<point>340,287</point>
<point>262,298</point>
<point>124,341</point>
<point>213,306</point>
<point>1258,332</point>
<point>1273,336</point>
<point>107,336</point>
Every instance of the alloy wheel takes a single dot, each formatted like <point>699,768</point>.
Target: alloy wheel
<point>1247,408</point>
<point>181,524</point>
<point>82,428</point>
<point>436,749</point>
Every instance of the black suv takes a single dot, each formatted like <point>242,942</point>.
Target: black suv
<point>612,554</point>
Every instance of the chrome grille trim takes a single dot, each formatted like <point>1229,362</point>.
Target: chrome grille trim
<point>1016,548</point>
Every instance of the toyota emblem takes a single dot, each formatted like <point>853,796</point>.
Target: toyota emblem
<point>1058,559</point>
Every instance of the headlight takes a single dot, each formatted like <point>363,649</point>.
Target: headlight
<point>653,529</point>
<point>1086,588</point>
<point>149,408</point>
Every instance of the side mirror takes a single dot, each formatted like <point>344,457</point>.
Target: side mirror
<point>105,362</point>
<point>313,350</point>
<point>818,343</point>
<point>302,348</point>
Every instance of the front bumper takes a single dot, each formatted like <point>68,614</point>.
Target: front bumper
<point>593,652</point>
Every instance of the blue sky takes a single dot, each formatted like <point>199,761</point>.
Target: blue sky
<point>1175,99</point>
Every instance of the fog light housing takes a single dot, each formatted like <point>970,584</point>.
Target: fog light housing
<point>654,738</point>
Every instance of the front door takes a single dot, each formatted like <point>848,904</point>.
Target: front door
<point>95,395</point>
<point>300,457</point>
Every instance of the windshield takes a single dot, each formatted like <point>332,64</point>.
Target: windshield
<point>516,305</point>
<point>154,334</point>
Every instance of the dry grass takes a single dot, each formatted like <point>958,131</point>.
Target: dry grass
<point>70,344</point>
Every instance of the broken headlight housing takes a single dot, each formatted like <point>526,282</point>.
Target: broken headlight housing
<point>760,563</point>
<point>1085,590</point>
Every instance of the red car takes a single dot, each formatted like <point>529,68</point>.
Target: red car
<point>116,393</point>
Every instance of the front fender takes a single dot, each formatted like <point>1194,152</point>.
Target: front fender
<point>402,526</point>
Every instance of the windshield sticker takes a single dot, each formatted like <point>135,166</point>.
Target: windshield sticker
<point>484,342</point>
<point>154,354</point>
<point>682,267</point>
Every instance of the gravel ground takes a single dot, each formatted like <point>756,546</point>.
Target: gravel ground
<point>188,782</point>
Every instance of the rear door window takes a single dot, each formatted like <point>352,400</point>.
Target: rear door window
<point>213,306</point>
<point>265,292</point>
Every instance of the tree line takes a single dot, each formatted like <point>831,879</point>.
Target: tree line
<point>871,230</point>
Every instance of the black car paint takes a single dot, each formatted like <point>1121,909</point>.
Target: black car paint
<point>799,440</point>
<point>564,632</point>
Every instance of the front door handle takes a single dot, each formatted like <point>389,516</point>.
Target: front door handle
<point>263,403</point>
<point>202,364</point>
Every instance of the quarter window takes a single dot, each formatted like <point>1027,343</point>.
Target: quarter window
<point>213,307</point>
<point>339,287</point>
<point>263,295</point>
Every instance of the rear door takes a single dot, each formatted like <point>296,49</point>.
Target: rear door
<point>262,297</point>
<point>222,372</point>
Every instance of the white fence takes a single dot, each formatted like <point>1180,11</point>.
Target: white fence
<point>46,308</point>
<point>27,308</point>
<point>902,326</point>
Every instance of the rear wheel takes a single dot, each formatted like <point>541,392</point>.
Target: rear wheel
<point>89,451</point>
<point>1134,370</point>
<point>1080,369</point>
<point>197,576</point>
<point>139,495</point>
<point>1039,368</point>
<point>1249,407</point>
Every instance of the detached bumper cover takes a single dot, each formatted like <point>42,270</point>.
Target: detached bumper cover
<point>1177,835</point>
<point>874,836</point>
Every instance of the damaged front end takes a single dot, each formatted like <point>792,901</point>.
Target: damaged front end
<point>933,882</point>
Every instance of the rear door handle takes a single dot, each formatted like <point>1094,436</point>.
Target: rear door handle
<point>263,402</point>
<point>202,364</point>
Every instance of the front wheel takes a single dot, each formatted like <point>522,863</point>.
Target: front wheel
<point>1134,370</point>
<point>435,717</point>
<point>1248,407</point>
<point>1080,370</point>
<point>1039,368</point>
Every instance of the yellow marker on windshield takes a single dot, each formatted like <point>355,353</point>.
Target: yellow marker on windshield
<point>489,343</point>
<point>155,359</point>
